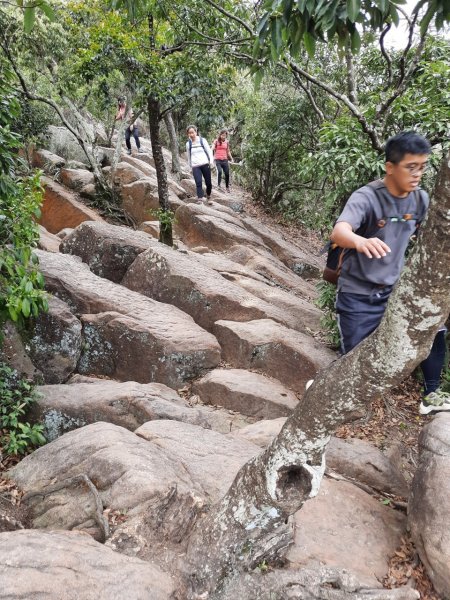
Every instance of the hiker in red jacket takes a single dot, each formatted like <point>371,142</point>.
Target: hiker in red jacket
<point>222,154</point>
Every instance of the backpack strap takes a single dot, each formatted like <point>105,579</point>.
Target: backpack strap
<point>203,146</point>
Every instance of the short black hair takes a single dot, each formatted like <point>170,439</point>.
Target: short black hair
<point>407,142</point>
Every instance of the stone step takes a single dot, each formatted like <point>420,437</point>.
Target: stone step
<point>246,392</point>
<point>287,355</point>
<point>127,336</point>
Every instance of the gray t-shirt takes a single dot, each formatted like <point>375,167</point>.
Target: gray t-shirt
<point>377,213</point>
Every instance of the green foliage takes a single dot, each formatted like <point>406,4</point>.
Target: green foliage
<point>294,25</point>
<point>326,301</point>
<point>16,397</point>
<point>20,198</point>
<point>32,123</point>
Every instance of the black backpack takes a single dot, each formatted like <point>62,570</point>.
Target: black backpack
<point>336,254</point>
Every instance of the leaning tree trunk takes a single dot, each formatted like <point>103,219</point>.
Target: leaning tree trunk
<point>174,148</point>
<point>165,224</point>
<point>248,524</point>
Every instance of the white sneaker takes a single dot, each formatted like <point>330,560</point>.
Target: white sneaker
<point>309,384</point>
<point>128,152</point>
<point>434,402</point>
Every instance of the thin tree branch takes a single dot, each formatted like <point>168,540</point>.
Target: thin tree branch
<point>351,86</point>
<point>218,40</point>
<point>311,99</point>
<point>412,23</point>
<point>403,82</point>
<point>386,56</point>
<point>231,16</point>
<point>368,129</point>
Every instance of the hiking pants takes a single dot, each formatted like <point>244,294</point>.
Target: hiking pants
<point>223,165</point>
<point>205,172</point>
<point>359,315</point>
<point>132,132</point>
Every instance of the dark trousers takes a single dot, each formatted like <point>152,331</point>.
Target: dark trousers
<point>223,165</point>
<point>359,315</point>
<point>205,172</point>
<point>132,132</point>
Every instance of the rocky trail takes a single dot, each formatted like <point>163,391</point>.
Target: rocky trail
<point>162,371</point>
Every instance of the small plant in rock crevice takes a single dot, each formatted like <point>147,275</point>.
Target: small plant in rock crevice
<point>326,301</point>
<point>16,396</point>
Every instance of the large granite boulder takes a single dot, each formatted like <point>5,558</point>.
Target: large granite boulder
<point>61,208</point>
<point>127,336</point>
<point>109,250</point>
<point>171,276</point>
<point>288,355</point>
<point>346,528</point>
<point>62,408</point>
<point>76,179</point>
<point>63,565</point>
<point>301,261</point>
<point>429,504</point>
<point>54,341</point>
<point>199,225</point>
<point>269,266</point>
<point>47,161</point>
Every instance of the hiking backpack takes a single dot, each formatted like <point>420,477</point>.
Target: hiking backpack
<point>336,254</point>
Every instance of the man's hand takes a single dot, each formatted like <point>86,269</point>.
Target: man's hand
<point>371,247</point>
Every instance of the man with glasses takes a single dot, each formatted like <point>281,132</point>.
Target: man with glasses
<point>376,226</point>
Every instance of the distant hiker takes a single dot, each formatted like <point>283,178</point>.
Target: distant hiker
<point>132,129</point>
<point>375,226</point>
<point>200,160</point>
<point>222,154</point>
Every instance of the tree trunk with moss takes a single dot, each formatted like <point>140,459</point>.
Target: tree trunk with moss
<point>248,525</point>
<point>165,229</point>
<point>174,148</point>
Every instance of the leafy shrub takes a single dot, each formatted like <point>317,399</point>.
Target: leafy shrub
<point>326,301</point>
<point>16,397</point>
<point>21,283</point>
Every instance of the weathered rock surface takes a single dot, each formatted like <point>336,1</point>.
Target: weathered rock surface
<point>48,241</point>
<point>290,356</point>
<point>140,199</point>
<point>59,565</point>
<point>360,460</point>
<point>151,228</point>
<point>109,250</point>
<point>54,341</point>
<point>301,261</point>
<point>319,583</point>
<point>62,408</point>
<point>210,458</point>
<point>126,470</point>
<point>47,161</point>
<point>429,506</point>
<point>76,179</point>
<point>170,276</point>
<point>14,353</point>
<point>307,316</point>
<point>133,337</point>
<point>344,527</point>
<point>246,392</point>
<point>61,209</point>
<point>199,225</point>
<point>269,266</point>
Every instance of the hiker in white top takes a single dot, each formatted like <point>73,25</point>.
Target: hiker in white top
<point>200,160</point>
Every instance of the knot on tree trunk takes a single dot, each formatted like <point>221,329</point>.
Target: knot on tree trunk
<point>294,483</point>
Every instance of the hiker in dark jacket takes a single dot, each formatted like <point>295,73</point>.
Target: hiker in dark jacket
<point>386,213</point>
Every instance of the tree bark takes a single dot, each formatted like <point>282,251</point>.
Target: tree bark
<point>174,148</point>
<point>165,228</point>
<point>275,484</point>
